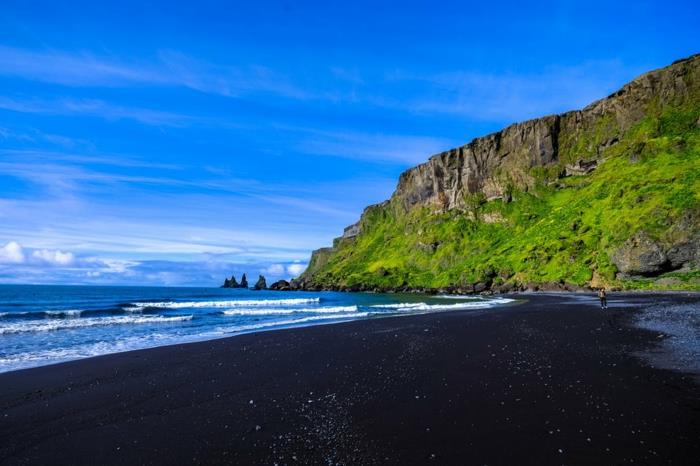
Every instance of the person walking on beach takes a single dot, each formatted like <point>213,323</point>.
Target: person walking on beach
<point>603,298</point>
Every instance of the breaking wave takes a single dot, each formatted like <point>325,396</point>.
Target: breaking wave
<point>443,307</point>
<point>233,303</point>
<point>60,324</point>
<point>300,320</point>
<point>273,311</point>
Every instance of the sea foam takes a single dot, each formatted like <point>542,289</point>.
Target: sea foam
<point>443,307</point>
<point>67,313</point>
<point>288,322</point>
<point>275,311</point>
<point>230,303</point>
<point>60,324</point>
<point>41,314</point>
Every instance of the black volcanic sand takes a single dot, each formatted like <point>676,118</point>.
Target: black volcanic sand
<point>549,381</point>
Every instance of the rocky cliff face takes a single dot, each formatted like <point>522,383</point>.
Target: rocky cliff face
<point>544,151</point>
<point>494,164</point>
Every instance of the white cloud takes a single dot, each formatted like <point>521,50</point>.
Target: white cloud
<point>274,270</point>
<point>296,269</point>
<point>54,257</point>
<point>280,270</point>
<point>12,252</point>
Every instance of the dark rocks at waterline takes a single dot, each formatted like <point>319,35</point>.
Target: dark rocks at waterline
<point>281,285</point>
<point>489,287</point>
<point>261,284</point>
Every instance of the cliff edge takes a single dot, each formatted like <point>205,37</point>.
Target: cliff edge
<point>606,195</point>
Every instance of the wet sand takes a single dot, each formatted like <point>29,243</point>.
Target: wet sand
<point>553,380</point>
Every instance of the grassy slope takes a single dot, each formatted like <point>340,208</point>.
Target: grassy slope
<point>564,230</point>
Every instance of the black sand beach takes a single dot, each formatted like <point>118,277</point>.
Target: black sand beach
<point>551,381</point>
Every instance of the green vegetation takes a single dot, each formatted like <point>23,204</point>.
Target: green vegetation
<point>563,230</point>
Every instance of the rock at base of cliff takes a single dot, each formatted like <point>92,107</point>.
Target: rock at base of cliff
<point>281,285</point>
<point>640,255</point>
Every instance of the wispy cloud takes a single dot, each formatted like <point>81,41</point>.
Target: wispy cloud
<point>230,81</point>
<point>374,147</point>
<point>507,96</point>
<point>68,179</point>
<point>501,97</point>
<point>92,158</point>
<point>67,176</point>
<point>71,208</point>
<point>95,108</point>
<point>73,69</point>
<point>168,68</point>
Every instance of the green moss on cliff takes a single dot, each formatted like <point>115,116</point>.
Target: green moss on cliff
<point>564,230</point>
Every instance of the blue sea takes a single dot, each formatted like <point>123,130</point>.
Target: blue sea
<point>48,324</point>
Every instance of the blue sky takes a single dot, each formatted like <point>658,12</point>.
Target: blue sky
<point>163,143</point>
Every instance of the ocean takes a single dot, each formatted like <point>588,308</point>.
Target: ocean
<point>48,324</point>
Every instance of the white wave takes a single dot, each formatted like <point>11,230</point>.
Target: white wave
<point>476,298</point>
<point>254,312</point>
<point>234,303</point>
<point>443,307</point>
<point>64,313</point>
<point>40,356</point>
<point>273,311</point>
<point>459,296</point>
<point>400,305</point>
<point>300,320</point>
<point>68,313</point>
<point>52,325</point>
<point>133,310</point>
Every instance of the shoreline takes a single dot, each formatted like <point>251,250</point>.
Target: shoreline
<point>451,384</point>
<point>518,296</point>
<point>271,328</point>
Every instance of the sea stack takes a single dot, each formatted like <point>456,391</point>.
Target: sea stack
<point>230,283</point>
<point>261,284</point>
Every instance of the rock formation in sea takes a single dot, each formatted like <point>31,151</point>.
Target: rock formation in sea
<point>604,196</point>
<point>230,283</point>
<point>261,284</point>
